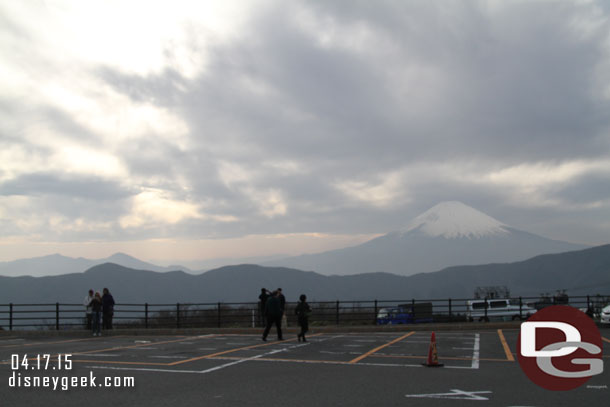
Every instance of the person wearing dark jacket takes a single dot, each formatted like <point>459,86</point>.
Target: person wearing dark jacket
<point>262,301</point>
<point>96,312</point>
<point>302,311</point>
<point>107,308</point>
<point>283,318</point>
<point>273,313</point>
<point>282,300</point>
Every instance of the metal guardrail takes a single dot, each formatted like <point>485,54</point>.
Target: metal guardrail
<point>59,316</point>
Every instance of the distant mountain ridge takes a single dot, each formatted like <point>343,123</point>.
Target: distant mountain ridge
<point>448,234</point>
<point>580,272</point>
<point>56,264</point>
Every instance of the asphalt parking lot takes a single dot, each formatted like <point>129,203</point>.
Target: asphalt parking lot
<point>342,369</point>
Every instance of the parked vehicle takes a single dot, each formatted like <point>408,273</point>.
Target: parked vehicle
<point>416,313</point>
<point>497,309</point>
<point>605,315</point>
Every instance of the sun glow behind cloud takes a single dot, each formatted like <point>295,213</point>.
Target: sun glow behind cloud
<point>215,120</point>
<point>153,206</point>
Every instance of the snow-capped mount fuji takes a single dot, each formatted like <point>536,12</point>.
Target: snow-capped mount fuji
<point>455,220</point>
<point>448,234</point>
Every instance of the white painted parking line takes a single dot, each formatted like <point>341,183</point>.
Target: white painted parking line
<point>213,369</point>
<point>454,394</point>
<point>142,369</point>
<point>476,351</point>
<point>261,358</point>
<point>473,356</point>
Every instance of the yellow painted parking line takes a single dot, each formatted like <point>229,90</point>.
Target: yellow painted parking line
<point>211,355</point>
<point>509,354</point>
<point>141,345</point>
<point>444,358</point>
<point>605,339</point>
<point>369,353</point>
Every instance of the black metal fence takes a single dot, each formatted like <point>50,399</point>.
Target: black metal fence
<point>59,316</point>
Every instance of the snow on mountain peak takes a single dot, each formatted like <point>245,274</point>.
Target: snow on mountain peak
<point>453,220</point>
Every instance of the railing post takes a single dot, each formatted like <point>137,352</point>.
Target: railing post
<point>10,318</point>
<point>588,304</point>
<point>450,312</point>
<point>413,309</point>
<point>219,315</point>
<point>520,307</point>
<point>57,316</point>
<point>486,305</point>
<point>375,316</point>
<point>337,313</point>
<point>146,315</point>
<point>178,315</point>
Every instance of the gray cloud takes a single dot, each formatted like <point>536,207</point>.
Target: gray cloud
<point>38,184</point>
<point>357,118</point>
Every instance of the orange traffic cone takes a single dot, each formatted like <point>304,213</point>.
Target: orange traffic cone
<point>432,353</point>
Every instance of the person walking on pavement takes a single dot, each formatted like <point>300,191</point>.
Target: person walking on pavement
<point>302,311</point>
<point>273,313</point>
<point>283,318</point>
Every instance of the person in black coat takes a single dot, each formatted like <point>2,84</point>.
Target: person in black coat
<point>262,302</point>
<point>108,309</point>
<point>282,300</point>
<point>96,312</point>
<point>302,311</point>
<point>283,318</point>
<point>273,313</point>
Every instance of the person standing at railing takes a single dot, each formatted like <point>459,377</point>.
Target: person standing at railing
<point>273,313</point>
<point>96,308</point>
<point>302,311</point>
<point>88,311</point>
<point>108,309</point>
<point>262,301</point>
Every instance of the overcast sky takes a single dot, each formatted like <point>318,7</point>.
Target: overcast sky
<point>190,130</point>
